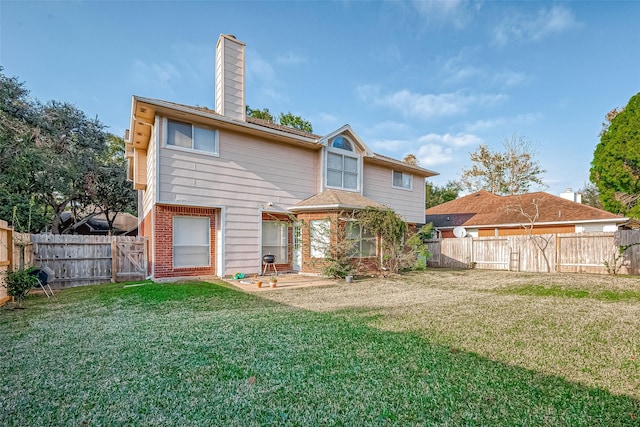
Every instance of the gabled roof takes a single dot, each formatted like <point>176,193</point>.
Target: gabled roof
<point>485,209</point>
<point>143,111</point>
<point>335,200</point>
<point>370,157</point>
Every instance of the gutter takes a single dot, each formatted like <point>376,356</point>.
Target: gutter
<point>223,119</point>
<point>521,224</point>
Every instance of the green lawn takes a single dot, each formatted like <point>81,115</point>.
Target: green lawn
<point>423,349</point>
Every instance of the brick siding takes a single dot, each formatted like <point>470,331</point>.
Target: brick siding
<point>163,241</point>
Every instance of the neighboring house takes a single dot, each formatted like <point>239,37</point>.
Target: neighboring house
<point>219,190</point>
<point>125,224</point>
<point>485,214</point>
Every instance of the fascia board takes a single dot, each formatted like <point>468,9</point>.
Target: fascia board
<point>228,121</point>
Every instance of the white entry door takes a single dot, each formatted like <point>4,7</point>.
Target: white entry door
<point>296,262</point>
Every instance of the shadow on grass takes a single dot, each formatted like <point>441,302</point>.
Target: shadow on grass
<point>207,354</point>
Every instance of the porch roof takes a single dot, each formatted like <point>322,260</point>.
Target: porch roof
<point>335,200</point>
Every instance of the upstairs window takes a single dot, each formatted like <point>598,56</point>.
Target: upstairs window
<point>342,164</point>
<point>342,143</point>
<point>189,136</point>
<point>342,171</point>
<point>402,180</point>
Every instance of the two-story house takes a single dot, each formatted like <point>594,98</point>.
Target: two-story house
<point>218,190</point>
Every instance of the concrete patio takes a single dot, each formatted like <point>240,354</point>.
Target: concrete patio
<point>285,281</point>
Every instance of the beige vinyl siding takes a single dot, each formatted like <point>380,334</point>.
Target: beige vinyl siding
<point>148,195</point>
<point>408,203</point>
<point>245,178</point>
<point>230,78</point>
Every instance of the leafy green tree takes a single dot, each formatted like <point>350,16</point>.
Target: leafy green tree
<point>512,171</point>
<point>263,114</point>
<point>113,193</point>
<point>20,139</point>
<point>72,146</point>
<point>590,195</point>
<point>295,122</point>
<point>436,195</point>
<point>54,159</point>
<point>288,119</point>
<point>615,169</point>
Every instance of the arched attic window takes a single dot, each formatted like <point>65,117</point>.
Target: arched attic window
<point>342,143</point>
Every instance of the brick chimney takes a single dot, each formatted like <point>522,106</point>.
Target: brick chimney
<point>230,77</point>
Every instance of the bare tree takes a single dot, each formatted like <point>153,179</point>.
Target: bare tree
<point>532,215</point>
<point>512,171</point>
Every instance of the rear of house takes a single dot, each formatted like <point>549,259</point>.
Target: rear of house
<point>219,190</point>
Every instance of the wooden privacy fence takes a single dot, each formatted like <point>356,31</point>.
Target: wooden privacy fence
<point>572,252</point>
<point>6,255</point>
<point>83,260</point>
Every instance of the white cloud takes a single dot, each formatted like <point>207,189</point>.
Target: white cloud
<point>528,118</point>
<point>388,145</point>
<point>154,74</point>
<point>461,74</point>
<point>433,154</point>
<point>389,53</point>
<point>258,68</point>
<point>457,140</point>
<point>484,125</point>
<point>520,119</point>
<point>196,62</point>
<point>443,12</point>
<point>323,122</point>
<point>388,127</point>
<point>425,106</point>
<point>535,27</point>
<point>291,58</point>
<point>510,78</point>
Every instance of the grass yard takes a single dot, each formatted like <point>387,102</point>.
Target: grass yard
<point>435,348</point>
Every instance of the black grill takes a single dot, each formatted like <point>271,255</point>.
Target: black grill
<point>269,259</point>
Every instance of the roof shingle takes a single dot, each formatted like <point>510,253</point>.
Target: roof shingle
<point>336,199</point>
<point>484,208</point>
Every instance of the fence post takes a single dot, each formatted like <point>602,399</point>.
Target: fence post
<point>114,260</point>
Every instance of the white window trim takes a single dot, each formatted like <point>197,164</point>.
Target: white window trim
<point>216,135</point>
<point>341,152</point>
<point>319,253</point>
<point>402,188</point>
<point>173,243</point>
<point>286,242</point>
<point>359,241</point>
<point>330,144</point>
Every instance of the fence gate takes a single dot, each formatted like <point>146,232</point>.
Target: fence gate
<point>129,260</point>
<point>84,260</point>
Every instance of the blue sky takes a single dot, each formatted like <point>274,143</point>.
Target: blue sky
<point>433,78</point>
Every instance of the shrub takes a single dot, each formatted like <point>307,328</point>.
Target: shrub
<point>19,282</point>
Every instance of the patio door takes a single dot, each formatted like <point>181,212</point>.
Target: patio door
<point>296,256</point>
